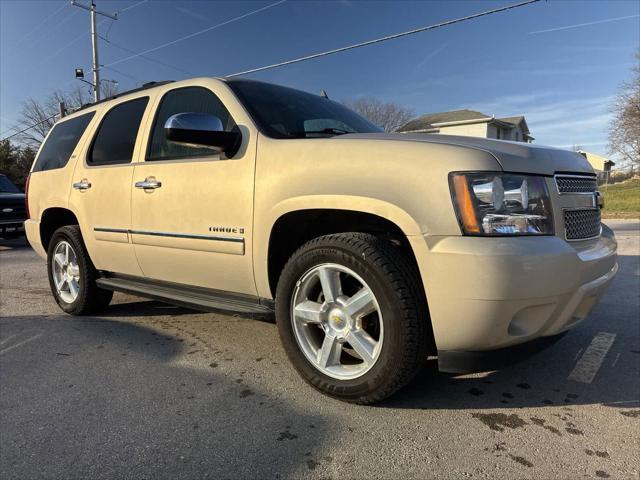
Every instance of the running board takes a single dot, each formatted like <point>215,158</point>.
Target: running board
<point>187,296</point>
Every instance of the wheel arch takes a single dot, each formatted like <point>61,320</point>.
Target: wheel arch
<point>53,218</point>
<point>293,228</point>
<point>269,222</point>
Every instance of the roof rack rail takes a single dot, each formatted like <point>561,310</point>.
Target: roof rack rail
<point>145,86</point>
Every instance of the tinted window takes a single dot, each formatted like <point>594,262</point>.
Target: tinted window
<point>117,134</point>
<point>282,112</point>
<point>183,100</point>
<point>7,186</point>
<point>61,142</point>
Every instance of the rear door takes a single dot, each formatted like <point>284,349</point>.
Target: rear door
<point>192,228</point>
<point>101,193</point>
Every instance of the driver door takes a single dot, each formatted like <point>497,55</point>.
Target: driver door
<point>192,207</point>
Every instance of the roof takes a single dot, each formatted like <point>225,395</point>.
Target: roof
<point>145,86</point>
<point>517,120</point>
<point>431,121</point>
<point>427,121</point>
<point>597,162</point>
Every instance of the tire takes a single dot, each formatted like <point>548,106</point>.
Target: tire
<point>88,298</point>
<point>401,339</point>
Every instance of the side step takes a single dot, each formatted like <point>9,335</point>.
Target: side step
<point>188,296</point>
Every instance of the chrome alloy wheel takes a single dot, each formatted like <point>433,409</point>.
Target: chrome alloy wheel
<point>337,321</point>
<point>66,273</point>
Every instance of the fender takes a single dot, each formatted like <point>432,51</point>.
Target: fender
<point>262,231</point>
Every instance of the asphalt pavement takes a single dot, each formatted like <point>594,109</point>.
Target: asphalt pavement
<point>147,390</point>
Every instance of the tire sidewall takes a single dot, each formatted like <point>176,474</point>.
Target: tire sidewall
<point>390,356</point>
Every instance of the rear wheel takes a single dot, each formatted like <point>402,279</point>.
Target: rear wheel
<point>72,274</point>
<point>351,316</point>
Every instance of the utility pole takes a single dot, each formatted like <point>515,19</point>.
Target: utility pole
<point>94,42</point>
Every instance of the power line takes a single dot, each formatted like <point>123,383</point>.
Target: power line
<point>120,72</point>
<point>87,32</point>
<point>200,32</point>
<point>383,39</point>
<point>93,13</point>
<point>159,62</point>
<point>74,41</point>
<point>308,57</point>
<point>133,6</point>
<point>45,20</point>
<point>29,127</point>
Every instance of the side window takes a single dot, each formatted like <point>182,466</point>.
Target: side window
<point>117,134</point>
<point>61,142</point>
<point>183,100</point>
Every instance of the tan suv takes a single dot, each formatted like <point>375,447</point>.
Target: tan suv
<point>374,250</point>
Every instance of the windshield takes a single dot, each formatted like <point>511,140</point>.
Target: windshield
<point>282,112</point>
<point>7,186</point>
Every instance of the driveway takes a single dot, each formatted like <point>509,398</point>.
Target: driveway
<point>148,390</point>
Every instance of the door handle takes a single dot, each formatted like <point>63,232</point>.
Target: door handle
<point>149,183</point>
<point>82,185</point>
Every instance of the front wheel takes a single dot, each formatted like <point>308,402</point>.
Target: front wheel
<point>72,275</point>
<point>352,317</point>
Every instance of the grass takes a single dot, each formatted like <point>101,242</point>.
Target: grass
<point>621,200</point>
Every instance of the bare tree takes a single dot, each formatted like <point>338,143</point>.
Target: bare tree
<point>624,130</point>
<point>109,89</point>
<point>388,116</point>
<point>42,114</point>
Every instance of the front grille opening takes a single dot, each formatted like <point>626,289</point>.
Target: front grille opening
<point>582,224</point>
<point>573,184</point>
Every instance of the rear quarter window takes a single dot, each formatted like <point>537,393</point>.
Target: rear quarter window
<point>61,142</point>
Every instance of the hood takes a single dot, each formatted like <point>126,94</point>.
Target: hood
<point>517,157</point>
<point>6,197</point>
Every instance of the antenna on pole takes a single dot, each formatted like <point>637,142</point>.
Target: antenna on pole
<point>94,42</point>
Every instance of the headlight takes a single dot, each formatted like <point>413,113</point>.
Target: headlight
<point>502,204</point>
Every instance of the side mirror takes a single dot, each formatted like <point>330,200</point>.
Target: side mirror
<point>201,130</point>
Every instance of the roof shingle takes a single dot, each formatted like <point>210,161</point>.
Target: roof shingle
<point>426,121</point>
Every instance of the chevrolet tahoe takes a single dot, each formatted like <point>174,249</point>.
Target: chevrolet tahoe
<point>373,250</point>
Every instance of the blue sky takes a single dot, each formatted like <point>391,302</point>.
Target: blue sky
<point>558,62</point>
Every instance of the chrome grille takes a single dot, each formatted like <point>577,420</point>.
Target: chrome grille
<point>575,184</point>
<point>582,224</point>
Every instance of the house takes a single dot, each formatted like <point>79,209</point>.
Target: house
<point>601,165</point>
<point>470,123</point>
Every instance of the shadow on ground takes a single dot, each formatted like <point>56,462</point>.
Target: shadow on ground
<point>14,243</point>
<point>166,419</point>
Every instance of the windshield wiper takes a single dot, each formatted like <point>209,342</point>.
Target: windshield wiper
<point>328,131</point>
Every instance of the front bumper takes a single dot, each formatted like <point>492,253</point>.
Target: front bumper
<point>490,293</point>
<point>12,226</point>
<point>456,361</point>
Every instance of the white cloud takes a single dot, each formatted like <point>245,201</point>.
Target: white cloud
<point>191,13</point>
<point>555,118</point>
<point>578,69</point>
<point>578,25</point>
<point>430,55</point>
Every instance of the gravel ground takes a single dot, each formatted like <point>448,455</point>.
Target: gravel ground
<point>147,390</point>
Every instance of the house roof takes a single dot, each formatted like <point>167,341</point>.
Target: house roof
<point>427,121</point>
<point>431,121</point>
<point>597,162</point>
<point>517,120</point>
